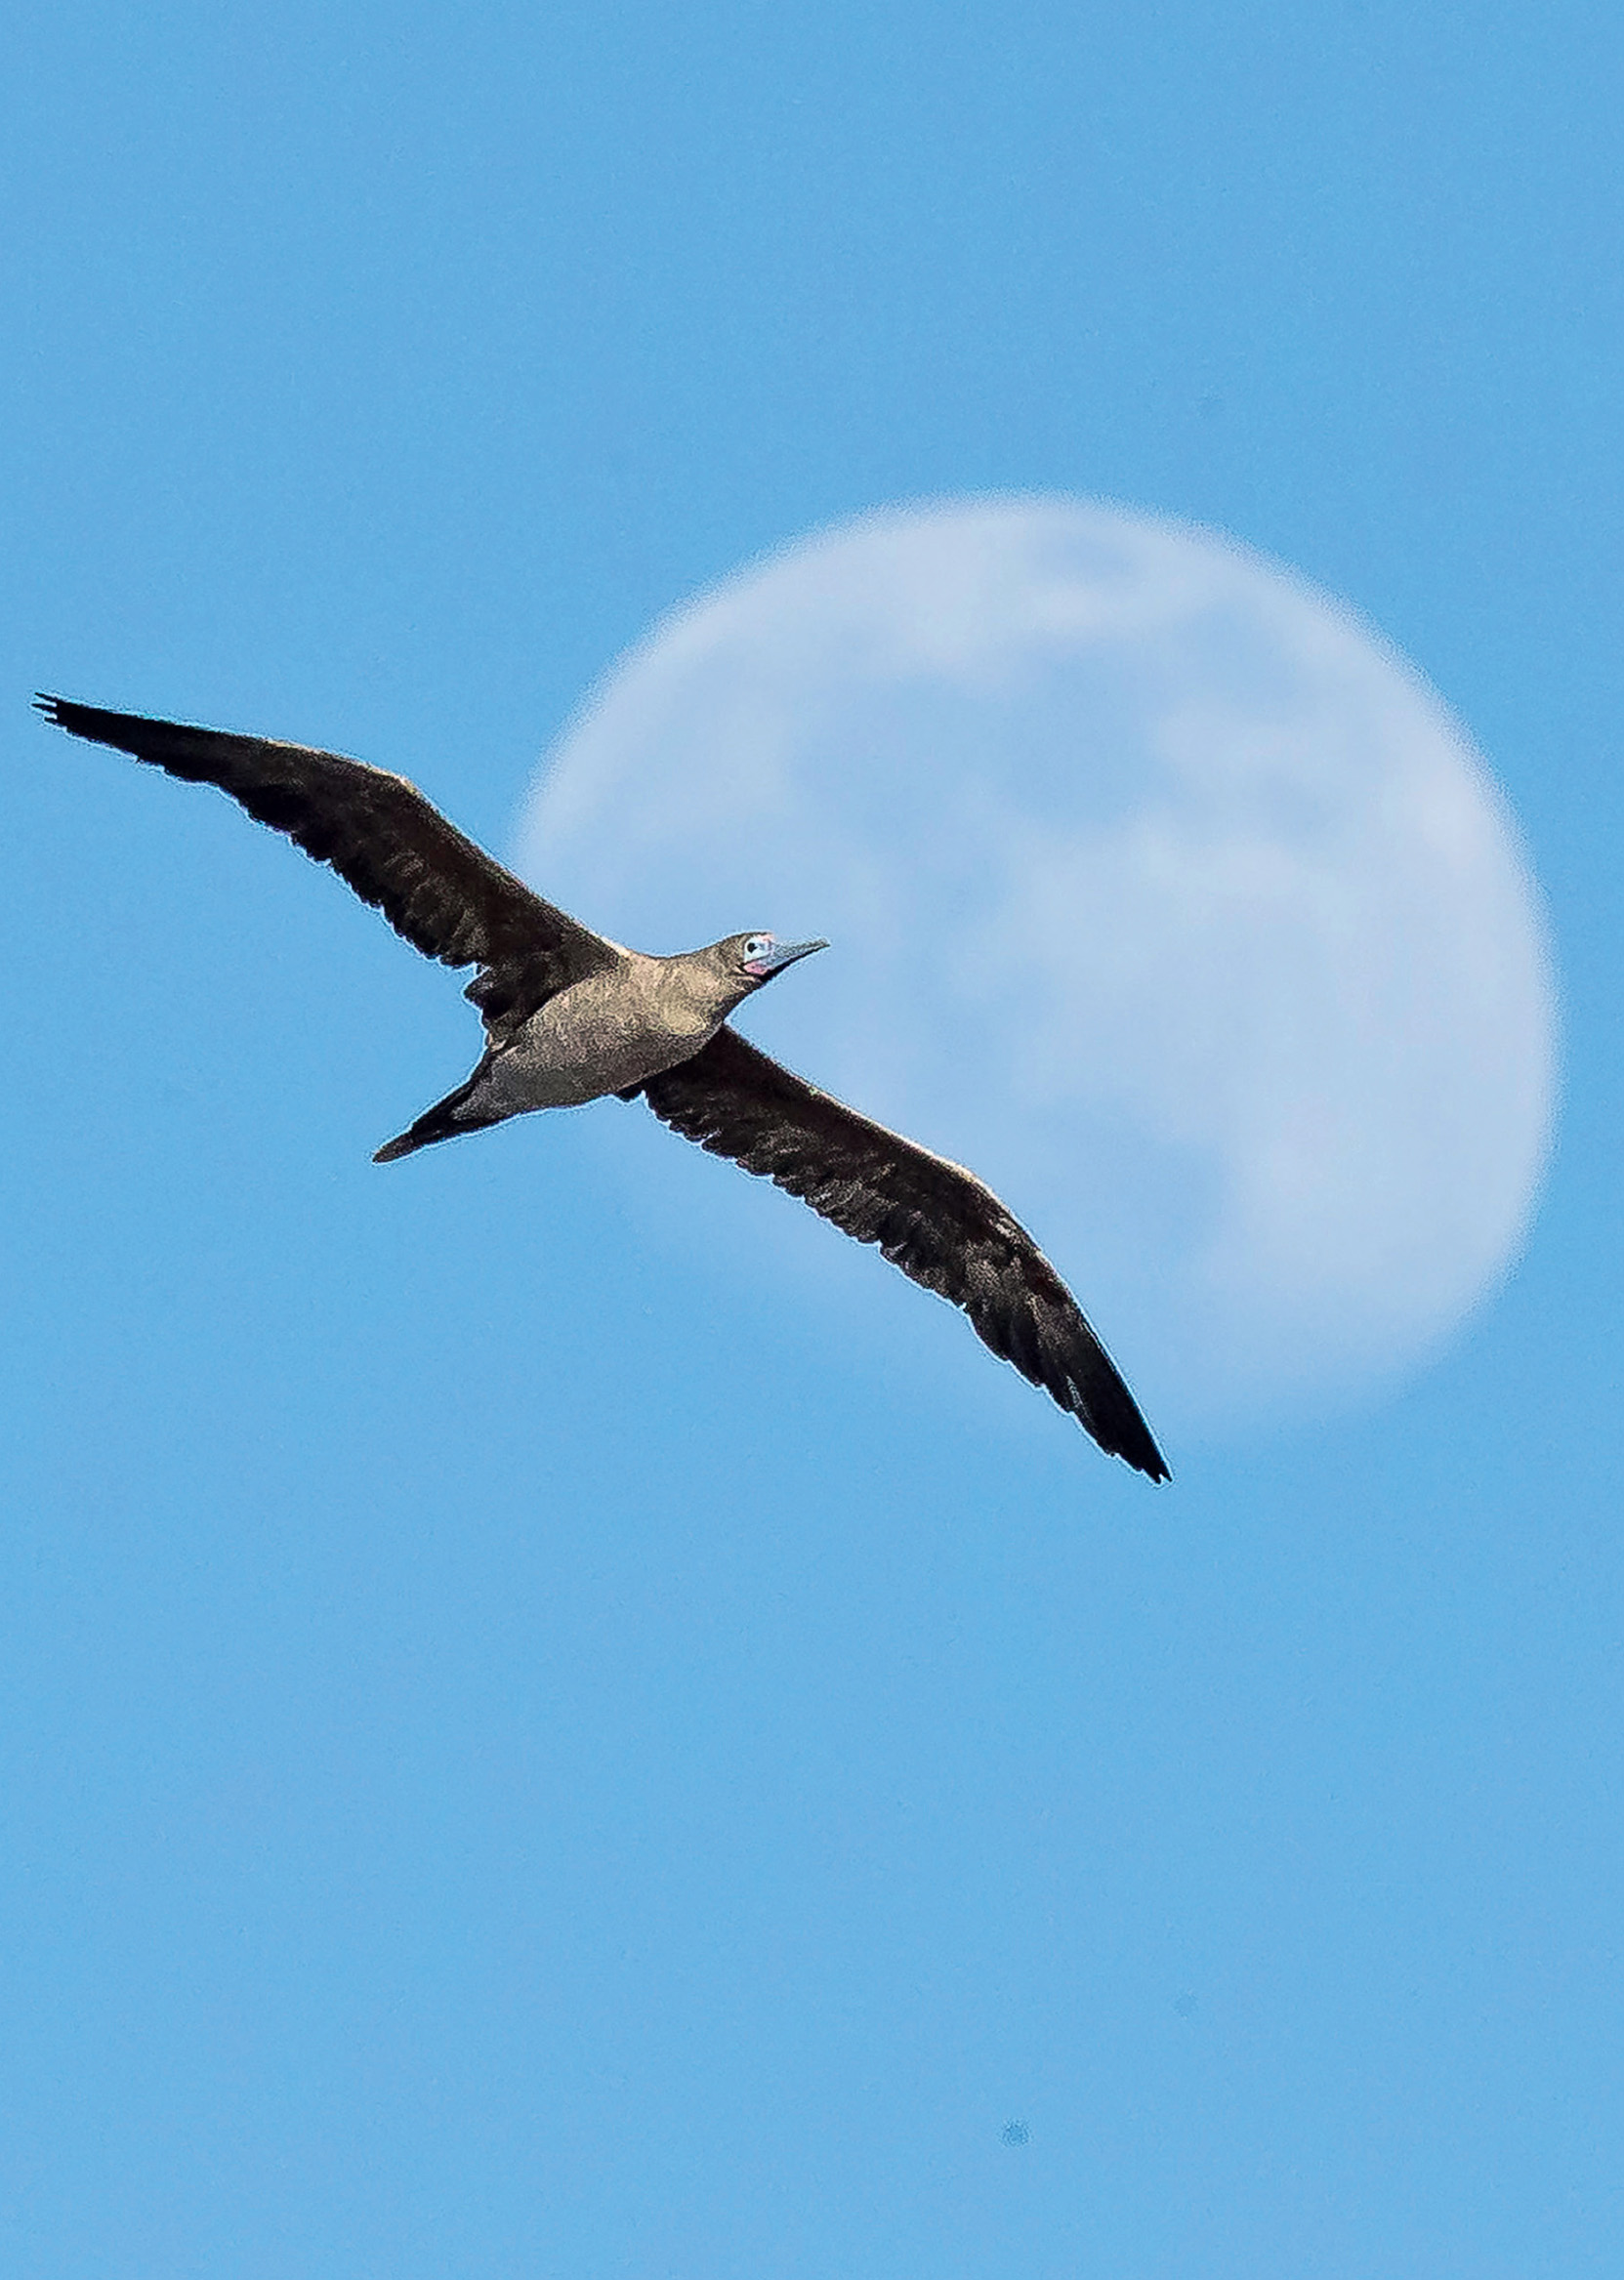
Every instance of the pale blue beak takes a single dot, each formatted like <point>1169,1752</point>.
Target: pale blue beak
<point>781,954</point>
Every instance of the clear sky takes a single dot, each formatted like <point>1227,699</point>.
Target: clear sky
<point>539,1742</point>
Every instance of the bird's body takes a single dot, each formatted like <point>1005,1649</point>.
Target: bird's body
<point>572,1016</point>
<point>608,1033</point>
<point>602,1035</point>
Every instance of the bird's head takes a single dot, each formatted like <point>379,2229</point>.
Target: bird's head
<point>750,961</point>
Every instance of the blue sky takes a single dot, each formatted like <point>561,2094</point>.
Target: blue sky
<point>531,1747</point>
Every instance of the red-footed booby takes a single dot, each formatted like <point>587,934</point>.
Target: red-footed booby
<point>572,1016</point>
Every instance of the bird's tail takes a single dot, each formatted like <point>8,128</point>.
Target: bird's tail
<point>444,1121</point>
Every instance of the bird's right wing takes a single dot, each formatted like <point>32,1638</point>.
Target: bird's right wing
<point>935,1221</point>
<point>444,894</point>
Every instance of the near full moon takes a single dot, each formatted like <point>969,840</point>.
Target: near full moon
<point>1164,894</point>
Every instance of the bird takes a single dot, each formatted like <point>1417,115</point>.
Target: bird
<point>572,1016</point>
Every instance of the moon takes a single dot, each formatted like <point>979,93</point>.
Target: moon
<point>1164,894</point>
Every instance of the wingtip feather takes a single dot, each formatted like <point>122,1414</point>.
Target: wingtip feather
<point>1131,1443</point>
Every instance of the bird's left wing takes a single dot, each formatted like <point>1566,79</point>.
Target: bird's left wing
<point>935,1221</point>
<point>444,894</point>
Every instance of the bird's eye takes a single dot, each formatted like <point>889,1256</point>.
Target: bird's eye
<point>758,945</point>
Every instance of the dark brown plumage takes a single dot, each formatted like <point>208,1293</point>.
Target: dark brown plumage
<point>446,897</point>
<point>554,995</point>
<point>933,1219</point>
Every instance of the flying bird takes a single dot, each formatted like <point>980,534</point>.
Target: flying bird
<point>572,1016</point>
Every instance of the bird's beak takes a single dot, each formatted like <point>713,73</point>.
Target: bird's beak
<point>785,954</point>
